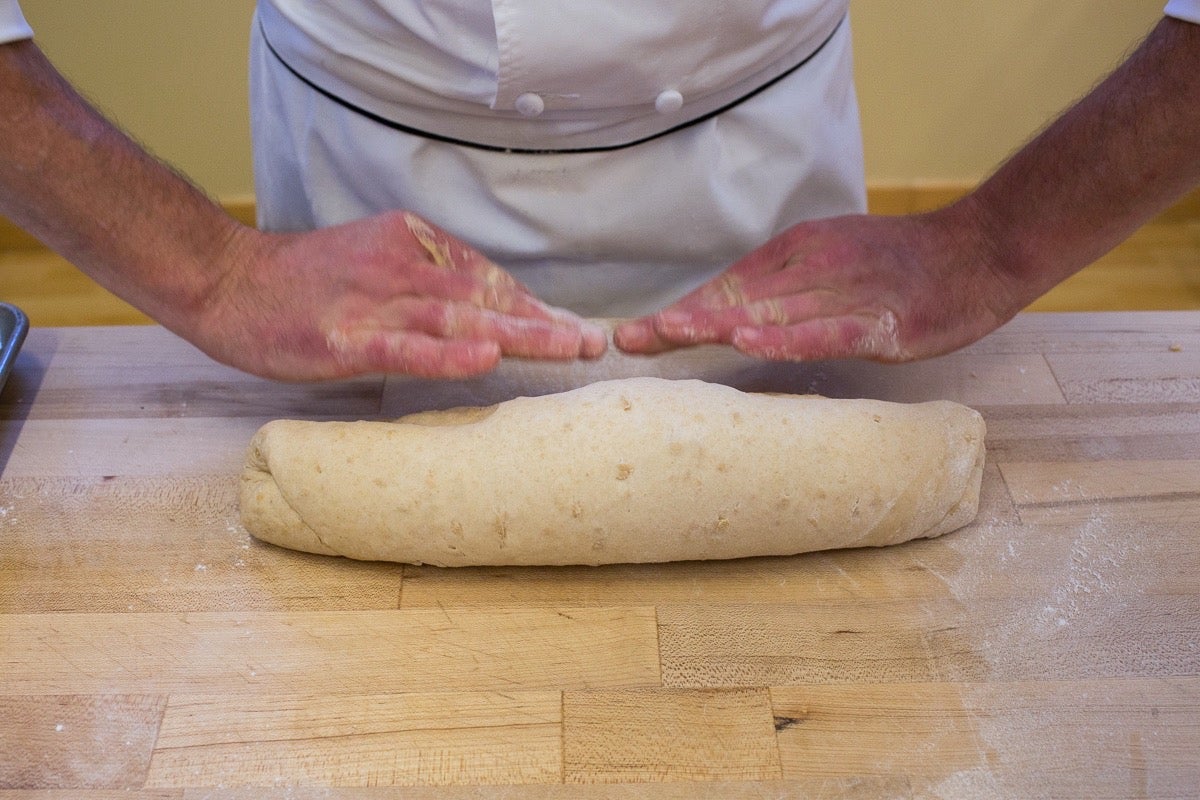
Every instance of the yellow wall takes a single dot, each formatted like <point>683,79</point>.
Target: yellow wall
<point>173,73</point>
<point>947,87</point>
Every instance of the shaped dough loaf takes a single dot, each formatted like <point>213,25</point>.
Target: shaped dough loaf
<point>633,470</point>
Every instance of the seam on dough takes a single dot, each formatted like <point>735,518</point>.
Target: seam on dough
<point>299,517</point>
<point>928,532</point>
<point>880,519</point>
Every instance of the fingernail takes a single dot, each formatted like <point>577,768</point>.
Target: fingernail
<point>629,334</point>
<point>595,340</point>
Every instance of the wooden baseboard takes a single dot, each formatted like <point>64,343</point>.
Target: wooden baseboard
<point>881,199</point>
<point>13,238</point>
<point>893,199</point>
<point>241,208</point>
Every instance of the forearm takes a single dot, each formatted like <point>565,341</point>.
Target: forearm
<point>1116,159</point>
<point>85,189</point>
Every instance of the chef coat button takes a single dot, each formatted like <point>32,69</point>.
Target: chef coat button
<point>530,104</point>
<point>668,102</point>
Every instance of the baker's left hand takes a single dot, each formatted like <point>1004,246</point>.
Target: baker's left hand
<point>881,288</point>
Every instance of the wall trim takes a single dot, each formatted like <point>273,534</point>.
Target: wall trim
<point>881,199</point>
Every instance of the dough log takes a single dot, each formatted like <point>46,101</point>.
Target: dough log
<point>633,470</point>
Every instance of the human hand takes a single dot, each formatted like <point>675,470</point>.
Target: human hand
<point>881,288</point>
<point>390,293</point>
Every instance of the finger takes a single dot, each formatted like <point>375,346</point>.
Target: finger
<point>373,350</point>
<point>506,297</point>
<point>637,336</point>
<point>516,336</point>
<point>685,321</point>
<point>594,339</point>
<point>593,335</point>
<point>850,336</point>
<point>642,336</point>
<point>701,326</point>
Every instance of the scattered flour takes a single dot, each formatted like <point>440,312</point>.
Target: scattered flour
<point>1041,600</point>
<point>1083,586</point>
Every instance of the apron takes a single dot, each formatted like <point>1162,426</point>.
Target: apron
<point>610,172</point>
<point>13,26</point>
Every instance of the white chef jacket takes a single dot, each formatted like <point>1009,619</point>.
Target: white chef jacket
<point>13,26</point>
<point>1184,9</point>
<point>612,155</point>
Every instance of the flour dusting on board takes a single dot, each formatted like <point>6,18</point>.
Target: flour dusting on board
<point>1071,580</point>
<point>1083,587</point>
<point>1047,598</point>
<point>1067,601</point>
<point>977,784</point>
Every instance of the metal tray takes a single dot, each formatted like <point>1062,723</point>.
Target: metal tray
<point>13,327</point>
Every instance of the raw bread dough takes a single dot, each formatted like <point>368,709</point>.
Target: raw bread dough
<point>632,470</point>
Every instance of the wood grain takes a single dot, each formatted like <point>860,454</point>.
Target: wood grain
<point>623,735</point>
<point>248,653</point>
<point>1115,738</point>
<point>98,545</point>
<point>70,374</point>
<point>1081,482</point>
<point>913,730</point>
<point>360,740</point>
<point>1049,649</point>
<point>1082,629</point>
<point>99,741</point>
<point>830,575</point>
<point>91,794</point>
<point>857,788</point>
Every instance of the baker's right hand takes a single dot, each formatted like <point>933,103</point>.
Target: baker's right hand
<point>387,294</point>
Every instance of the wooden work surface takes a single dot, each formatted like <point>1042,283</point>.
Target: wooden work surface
<point>149,648</point>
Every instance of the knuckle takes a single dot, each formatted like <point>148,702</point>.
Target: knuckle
<point>728,290</point>
<point>767,312</point>
<point>448,322</point>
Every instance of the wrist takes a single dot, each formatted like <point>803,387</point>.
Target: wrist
<point>984,241</point>
<point>214,264</point>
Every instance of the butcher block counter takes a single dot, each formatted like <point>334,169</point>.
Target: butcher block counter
<point>150,648</point>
